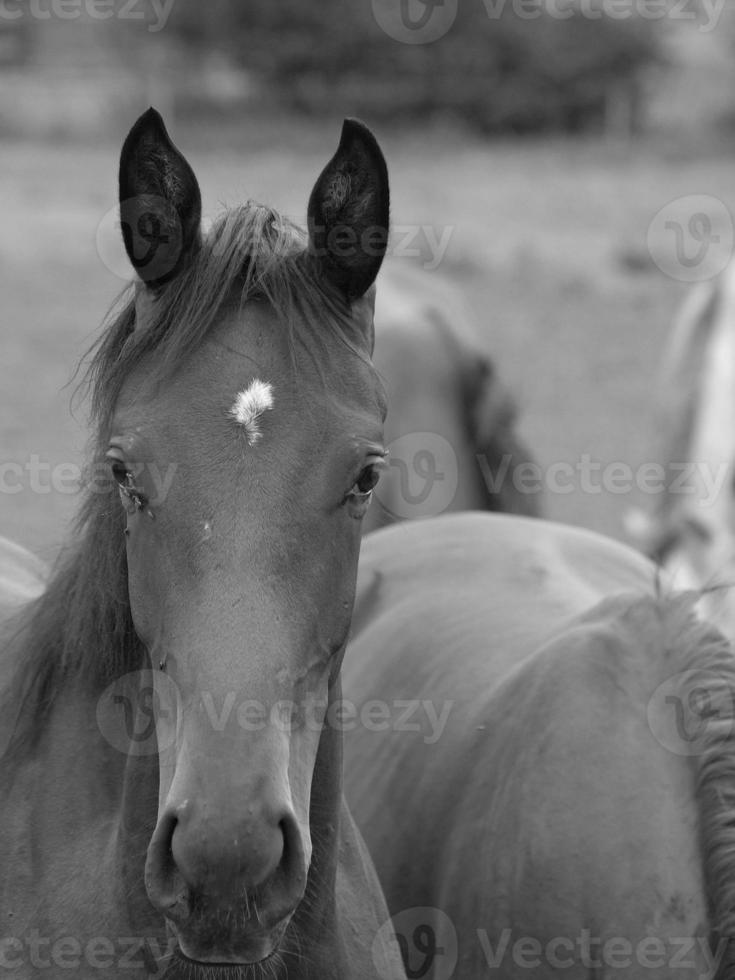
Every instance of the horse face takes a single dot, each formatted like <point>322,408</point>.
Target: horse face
<point>244,478</point>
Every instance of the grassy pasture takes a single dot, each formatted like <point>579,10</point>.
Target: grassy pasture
<point>537,230</point>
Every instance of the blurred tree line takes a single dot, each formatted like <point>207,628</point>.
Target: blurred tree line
<point>502,73</point>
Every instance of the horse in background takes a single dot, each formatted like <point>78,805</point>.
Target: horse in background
<point>451,428</point>
<point>541,755</point>
<point>692,529</point>
<point>22,577</point>
<point>170,771</point>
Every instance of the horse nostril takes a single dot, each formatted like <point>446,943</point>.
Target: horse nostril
<point>166,888</point>
<point>292,863</point>
<point>262,853</point>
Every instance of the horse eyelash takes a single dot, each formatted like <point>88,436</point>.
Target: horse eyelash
<point>129,490</point>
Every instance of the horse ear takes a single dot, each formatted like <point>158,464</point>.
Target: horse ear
<point>160,202</point>
<point>348,212</point>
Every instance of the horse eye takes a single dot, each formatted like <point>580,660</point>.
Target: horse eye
<point>132,497</point>
<point>367,480</point>
<point>120,472</point>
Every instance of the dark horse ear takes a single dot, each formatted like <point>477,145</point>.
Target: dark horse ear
<point>160,203</point>
<point>348,212</point>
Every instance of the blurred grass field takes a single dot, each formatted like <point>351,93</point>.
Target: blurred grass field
<point>537,235</point>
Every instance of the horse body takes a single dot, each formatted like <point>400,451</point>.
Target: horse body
<point>170,778</point>
<point>520,790</point>
<point>451,427</point>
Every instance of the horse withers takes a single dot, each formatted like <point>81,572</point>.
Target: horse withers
<point>171,777</point>
<point>541,755</point>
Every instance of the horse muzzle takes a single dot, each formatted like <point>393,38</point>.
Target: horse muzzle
<point>216,943</point>
<point>227,888</point>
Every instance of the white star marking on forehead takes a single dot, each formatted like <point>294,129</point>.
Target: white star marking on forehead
<point>250,405</point>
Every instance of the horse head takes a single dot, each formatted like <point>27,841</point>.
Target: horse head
<point>243,428</point>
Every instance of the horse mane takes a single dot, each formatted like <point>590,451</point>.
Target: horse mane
<point>666,640</point>
<point>701,659</point>
<point>81,627</point>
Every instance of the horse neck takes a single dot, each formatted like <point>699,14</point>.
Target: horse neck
<point>62,738</point>
<point>317,914</point>
<point>135,822</point>
<point>326,801</point>
<point>344,911</point>
<point>61,797</point>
